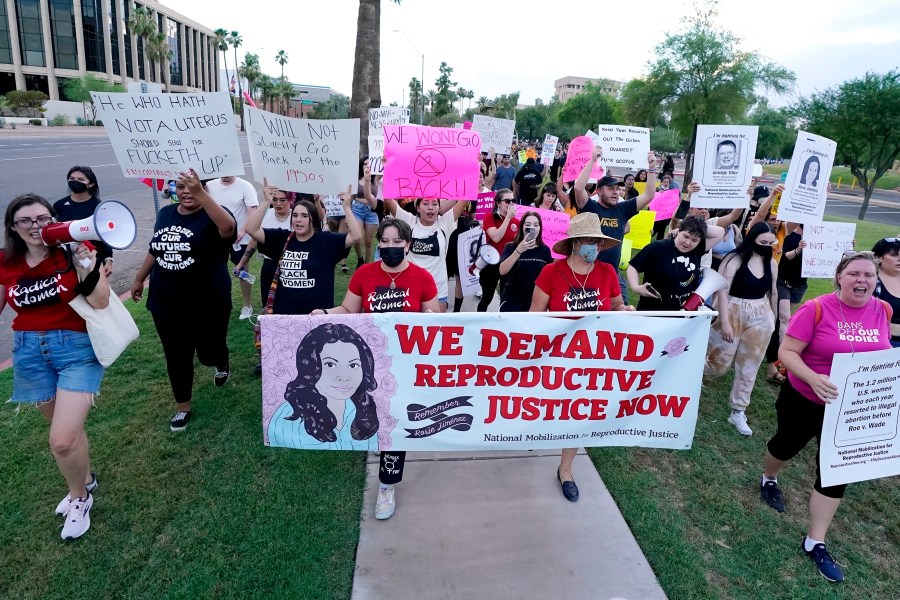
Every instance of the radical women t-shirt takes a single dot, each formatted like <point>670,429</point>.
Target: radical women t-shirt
<point>572,292</point>
<point>40,295</point>
<point>189,263</point>
<point>411,288</point>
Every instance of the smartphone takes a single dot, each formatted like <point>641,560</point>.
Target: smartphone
<point>530,235</point>
<point>653,291</point>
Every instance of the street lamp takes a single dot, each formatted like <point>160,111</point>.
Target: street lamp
<point>422,82</point>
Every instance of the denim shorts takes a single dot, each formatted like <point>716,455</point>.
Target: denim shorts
<point>364,213</point>
<point>44,361</point>
<point>785,292</point>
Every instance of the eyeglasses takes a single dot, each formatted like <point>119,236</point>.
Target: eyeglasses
<point>506,201</point>
<point>892,240</point>
<point>26,223</point>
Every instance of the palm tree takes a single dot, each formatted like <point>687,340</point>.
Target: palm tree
<point>235,40</point>
<point>142,24</point>
<point>481,103</point>
<point>266,91</point>
<point>469,96</point>
<point>249,70</point>
<point>461,94</point>
<point>284,90</point>
<point>159,51</point>
<point>221,41</point>
<point>430,96</point>
<point>281,58</point>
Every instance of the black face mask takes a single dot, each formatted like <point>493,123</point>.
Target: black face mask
<point>77,187</point>
<point>392,256</point>
<point>764,251</point>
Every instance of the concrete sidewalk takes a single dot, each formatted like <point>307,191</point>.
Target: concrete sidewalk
<point>496,525</point>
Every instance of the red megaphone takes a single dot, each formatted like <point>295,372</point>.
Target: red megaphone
<point>112,223</point>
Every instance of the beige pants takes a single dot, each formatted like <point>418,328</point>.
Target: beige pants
<point>753,323</point>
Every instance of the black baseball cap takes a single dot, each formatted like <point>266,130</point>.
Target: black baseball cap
<point>760,191</point>
<point>607,180</point>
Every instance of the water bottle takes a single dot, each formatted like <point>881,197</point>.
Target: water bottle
<point>246,277</point>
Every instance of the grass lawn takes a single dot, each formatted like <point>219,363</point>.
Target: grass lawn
<point>888,181</point>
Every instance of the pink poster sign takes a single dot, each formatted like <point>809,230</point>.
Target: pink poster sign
<point>431,162</point>
<point>555,225</point>
<point>485,204</point>
<point>579,154</point>
<point>665,204</point>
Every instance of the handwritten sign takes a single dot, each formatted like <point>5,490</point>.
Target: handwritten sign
<point>725,165</point>
<point>665,204</point>
<point>161,135</point>
<point>825,244</point>
<point>625,146</point>
<point>386,115</point>
<point>641,229</point>
<point>376,154</point>
<point>806,186</point>
<point>497,133</point>
<point>303,155</point>
<point>523,156</point>
<point>431,162</point>
<point>554,225</point>
<point>548,150</point>
<point>334,206</point>
<point>581,150</point>
<point>859,431</point>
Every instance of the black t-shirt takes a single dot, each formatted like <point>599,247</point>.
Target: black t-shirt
<point>306,280</point>
<point>67,209</point>
<point>529,179</point>
<point>190,263</point>
<point>789,269</point>
<point>518,285</point>
<point>612,223</point>
<point>673,274</point>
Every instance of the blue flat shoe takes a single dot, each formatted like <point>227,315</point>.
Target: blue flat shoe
<point>569,489</point>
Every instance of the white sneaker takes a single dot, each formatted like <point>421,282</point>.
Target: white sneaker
<point>246,313</point>
<point>739,420</point>
<point>62,509</point>
<point>385,505</point>
<point>78,520</point>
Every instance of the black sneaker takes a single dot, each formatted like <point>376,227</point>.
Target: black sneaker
<point>257,370</point>
<point>179,421</point>
<point>771,495</point>
<point>824,562</point>
<point>221,377</point>
<point>344,268</point>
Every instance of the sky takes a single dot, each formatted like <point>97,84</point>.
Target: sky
<point>496,48</point>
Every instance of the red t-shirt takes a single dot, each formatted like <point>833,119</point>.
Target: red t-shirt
<point>39,295</point>
<point>508,237</point>
<point>412,287</point>
<point>565,287</point>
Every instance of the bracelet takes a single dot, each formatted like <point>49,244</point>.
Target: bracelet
<point>517,251</point>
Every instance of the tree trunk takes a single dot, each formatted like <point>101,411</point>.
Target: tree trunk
<point>689,159</point>
<point>240,88</point>
<point>869,188</point>
<point>366,89</point>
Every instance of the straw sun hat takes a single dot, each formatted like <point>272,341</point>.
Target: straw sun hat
<point>584,225</point>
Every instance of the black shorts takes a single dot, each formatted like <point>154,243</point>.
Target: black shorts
<point>237,255</point>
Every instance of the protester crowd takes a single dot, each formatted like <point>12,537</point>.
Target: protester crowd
<point>405,257</point>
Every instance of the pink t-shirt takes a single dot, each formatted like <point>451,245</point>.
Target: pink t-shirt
<point>867,328</point>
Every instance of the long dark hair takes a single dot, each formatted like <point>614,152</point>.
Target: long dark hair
<point>744,250</point>
<point>313,214</point>
<point>15,245</point>
<point>520,235</point>
<point>89,173</point>
<point>311,406</point>
<point>495,210</point>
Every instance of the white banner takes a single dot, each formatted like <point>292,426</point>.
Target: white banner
<point>314,156</point>
<point>386,115</point>
<point>548,150</point>
<point>724,165</point>
<point>826,242</point>
<point>334,206</point>
<point>806,186</point>
<point>466,253</point>
<point>859,432</point>
<point>376,154</point>
<point>476,381</point>
<point>496,133</point>
<point>624,147</point>
<point>161,135</point>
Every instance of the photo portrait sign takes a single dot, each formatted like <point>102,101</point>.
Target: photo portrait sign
<point>314,156</point>
<point>161,135</point>
<point>473,381</point>
<point>467,246</point>
<point>494,132</point>
<point>581,150</point>
<point>624,146</point>
<point>826,243</point>
<point>725,161</point>
<point>859,431</point>
<point>431,162</point>
<point>806,185</point>
<point>548,150</point>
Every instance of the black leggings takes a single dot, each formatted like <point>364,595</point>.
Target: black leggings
<point>659,229</point>
<point>489,278</point>
<point>772,349</point>
<point>390,471</point>
<point>183,334</point>
<point>799,421</point>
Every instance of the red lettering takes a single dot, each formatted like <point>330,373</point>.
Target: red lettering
<point>598,409</point>
<point>606,347</point>
<point>673,405</point>
<point>446,375</point>
<point>626,379</point>
<point>529,377</point>
<point>543,343</point>
<point>626,408</point>
<point>564,409</point>
<point>570,374</point>
<point>635,341</point>
<point>647,404</point>
<point>507,376</point>
<point>531,408</point>
<point>646,377</point>
<point>551,404</point>
<point>488,336</point>
<point>485,376</point>
<point>465,374</point>
<point>577,414</point>
<point>425,376</point>
<point>579,344</point>
<point>416,339</point>
<point>450,344</point>
<point>518,346</point>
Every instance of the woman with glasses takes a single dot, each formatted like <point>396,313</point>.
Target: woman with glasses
<point>82,201</point>
<point>54,365</point>
<point>747,309</point>
<point>850,320</point>
<point>887,254</point>
<point>500,228</point>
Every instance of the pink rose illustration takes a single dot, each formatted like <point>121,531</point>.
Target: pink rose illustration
<point>675,347</point>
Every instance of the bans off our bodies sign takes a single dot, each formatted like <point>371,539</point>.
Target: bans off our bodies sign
<point>410,381</point>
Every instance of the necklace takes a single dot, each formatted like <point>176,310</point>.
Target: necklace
<point>393,285</point>
<point>586,276</point>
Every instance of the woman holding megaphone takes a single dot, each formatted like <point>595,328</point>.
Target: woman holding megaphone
<point>81,204</point>
<point>54,365</point>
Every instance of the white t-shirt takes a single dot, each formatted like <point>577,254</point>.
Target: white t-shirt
<point>270,221</point>
<point>236,198</point>
<point>706,260</point>
<point>429,245</point>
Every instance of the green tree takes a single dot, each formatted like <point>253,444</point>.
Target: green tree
<point>221,42</point>
<point>666,139</point>
<point>157,48</point>
<point>444,96</point>
<point>336,107</point>
<point>250,71</point>
<point>142,25</point>
<point>235,41</point>
<point>78,89</point>
<point>777,133</point>
<point>266,91</point>
<point>415,96</point>
<point>700,76</point>
<point>284,91</point>
<point>22,100</point>
<point>589,108</point>
<point>863,117</point>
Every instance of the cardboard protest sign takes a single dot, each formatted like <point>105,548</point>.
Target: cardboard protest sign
<point>624,146</point>
<point>466,253</point>
<point>303,155</point>
<point>859,431</point>
<point>806,186</point>
<point>725,164</point>
<point>826,242</point>
<point>431,162</point>
<point>581,150</point>
<point>522,156</point>
<point>334,206</point>
<point>376,154</point>
<point>548,150</point>
<point>162,135</point>
<point>476,381</point>
<point>386,115</point>
<point>640,186</point>
<point>641,229</point>
<point>665,204</point>
<point>494,132</point>
<point>555,225</point>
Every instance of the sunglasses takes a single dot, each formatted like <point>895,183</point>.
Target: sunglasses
<point>859,253</point>
<point>891,240</point>
<point>506,201</point>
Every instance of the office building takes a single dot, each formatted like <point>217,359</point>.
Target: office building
<point>569,87</point>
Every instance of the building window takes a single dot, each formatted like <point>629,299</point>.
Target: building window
<point>5,47</point>
<point>114,11</point>
<point>31,38</point>
<point>195,48</point>
<point>173,37</point>
<point>126,36</point>
<point>62,26</point>
<point>92,24</point>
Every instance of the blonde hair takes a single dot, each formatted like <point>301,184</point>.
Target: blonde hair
<point>849,257</point>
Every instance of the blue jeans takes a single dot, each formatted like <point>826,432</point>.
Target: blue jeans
<point>44,361</point>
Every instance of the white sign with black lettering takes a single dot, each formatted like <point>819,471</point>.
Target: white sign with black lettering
<point>825,245</point>
<point>724,165</point>
<point>495,133</point>
<point>624,147</point>
<point>806,186</point>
